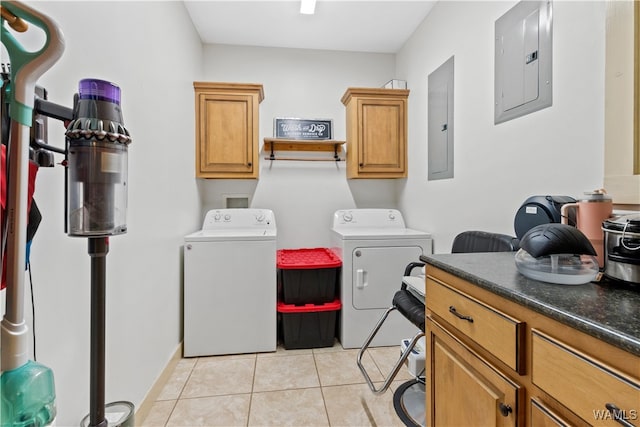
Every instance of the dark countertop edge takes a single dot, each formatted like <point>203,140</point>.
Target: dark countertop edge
<point>622,341</point>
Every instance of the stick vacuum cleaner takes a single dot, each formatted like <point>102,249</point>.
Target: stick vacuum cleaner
<point>96,204</point>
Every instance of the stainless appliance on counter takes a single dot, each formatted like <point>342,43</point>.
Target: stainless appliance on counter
<point>622,248</point>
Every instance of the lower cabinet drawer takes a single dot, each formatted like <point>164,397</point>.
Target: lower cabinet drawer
<point>495,331</point>
<point>589,388</point>
<point>541,416</point>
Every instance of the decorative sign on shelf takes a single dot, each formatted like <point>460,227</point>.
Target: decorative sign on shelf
<point>305,129</point>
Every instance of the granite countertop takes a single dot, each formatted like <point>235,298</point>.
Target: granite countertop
<point>607,310</point>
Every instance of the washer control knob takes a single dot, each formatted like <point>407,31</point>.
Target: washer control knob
<point>347,217</point>
<point>392,216</point>
<point>227,217</point>
<point>260,217</point>
<point>217,216</point>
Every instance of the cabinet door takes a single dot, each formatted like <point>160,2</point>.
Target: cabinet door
<point>381,136</point>
<point>467,390</point>
<point>226,126</point>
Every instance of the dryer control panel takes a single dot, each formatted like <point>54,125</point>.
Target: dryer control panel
<point>240,218</point>
<point>368,218</point>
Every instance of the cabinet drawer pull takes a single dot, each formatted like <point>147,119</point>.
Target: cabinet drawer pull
<point>453,311</point>
<point>618,415</point>
<point>505,410</point>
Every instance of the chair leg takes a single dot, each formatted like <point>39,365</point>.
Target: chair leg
<point>396,367</point>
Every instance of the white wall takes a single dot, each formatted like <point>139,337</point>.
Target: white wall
<point>152,52</point>
<point>557,150</point>
<point>306,84</point>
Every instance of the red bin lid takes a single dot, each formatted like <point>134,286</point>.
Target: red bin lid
<point>307,258</point>
<point>309,308</point>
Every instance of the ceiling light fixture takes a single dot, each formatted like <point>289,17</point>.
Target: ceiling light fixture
<point>307,7</point>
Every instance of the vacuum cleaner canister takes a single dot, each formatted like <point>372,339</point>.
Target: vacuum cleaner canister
<point>557,253</point>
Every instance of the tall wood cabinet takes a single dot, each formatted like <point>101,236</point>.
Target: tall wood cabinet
<point>490,361</point>
<point>227,129</point>
<point>376,121</point>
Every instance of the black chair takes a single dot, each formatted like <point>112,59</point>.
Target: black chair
<point>482,241</point>
<point>411,304</point>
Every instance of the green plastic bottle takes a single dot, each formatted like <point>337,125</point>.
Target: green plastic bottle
<point>28,396</point>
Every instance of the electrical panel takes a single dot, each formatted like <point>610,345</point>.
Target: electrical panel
<point>523,53</point>
<point>440,122</point>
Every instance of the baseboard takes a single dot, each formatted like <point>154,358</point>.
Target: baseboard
<point>145,407</point>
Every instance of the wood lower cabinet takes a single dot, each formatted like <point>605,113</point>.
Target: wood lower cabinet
<point>466,390</point>
<point>227,128</point>
<point>585,385</point>
<point>491,361</point>
<point>376,132</point>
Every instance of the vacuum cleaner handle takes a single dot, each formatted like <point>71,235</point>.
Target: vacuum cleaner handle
<point>27,67</point>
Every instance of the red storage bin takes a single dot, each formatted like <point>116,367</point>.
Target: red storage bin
<point>307,276</point>
<point>309,325</point>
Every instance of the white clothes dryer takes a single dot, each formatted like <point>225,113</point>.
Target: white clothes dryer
<point>230,284</point>
<point>375,247</point>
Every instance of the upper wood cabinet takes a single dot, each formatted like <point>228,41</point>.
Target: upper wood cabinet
<point>376,132</point>
<point>227,128</point>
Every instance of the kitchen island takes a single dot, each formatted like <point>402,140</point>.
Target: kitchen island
<point>507,350</point>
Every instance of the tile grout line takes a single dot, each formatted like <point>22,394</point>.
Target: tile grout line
<point>324,401</point>
<point>184,385</point>
<point>253,383</point>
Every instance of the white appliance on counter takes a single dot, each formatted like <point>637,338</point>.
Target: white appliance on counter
<point>230,284</point>
<point>375,247</point>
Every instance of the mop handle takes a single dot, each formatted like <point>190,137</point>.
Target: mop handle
<point>27,67</point>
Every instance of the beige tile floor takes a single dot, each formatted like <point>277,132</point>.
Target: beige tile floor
<point>314,387</point>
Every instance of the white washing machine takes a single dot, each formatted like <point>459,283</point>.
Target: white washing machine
<point>375,247</point>
<point>230,284</point>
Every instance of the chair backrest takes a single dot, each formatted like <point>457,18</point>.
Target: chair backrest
<point>482,241</point>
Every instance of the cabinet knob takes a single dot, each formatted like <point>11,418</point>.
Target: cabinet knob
<point>505,410</point>
<point>249,164</point>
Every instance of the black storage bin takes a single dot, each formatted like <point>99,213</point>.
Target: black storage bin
<point>307,276</point>
<point>308,326</point>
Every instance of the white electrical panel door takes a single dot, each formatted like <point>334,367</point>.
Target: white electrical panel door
<point>523,60</point>
<point>377,274</point>
<point>519,62</point>
<point>440,122</point>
